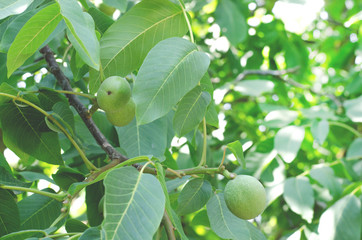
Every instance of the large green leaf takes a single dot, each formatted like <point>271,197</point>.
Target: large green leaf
<point>148,139</point>
<point>126,43</point>
<point>24,129</point>
<point>194,196</point>
<point>298,194</point>
<point>11,7</point>
<point>81,32</point>
<point>342,221</point>
<point>9,213</point>
<point>287,142</point>
<point>227,225</point>
<point>32,36</point>
<point>170,70</point>
<point>190,111</point>
<point>134,204</point>
<point>38,212</point>
<point>231,21</point>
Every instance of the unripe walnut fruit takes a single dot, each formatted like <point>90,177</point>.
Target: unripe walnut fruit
<point>113,94</point>
<point>122,116</point>
<point>245,197</point>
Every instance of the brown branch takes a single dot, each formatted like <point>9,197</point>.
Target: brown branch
<point>80,108</point>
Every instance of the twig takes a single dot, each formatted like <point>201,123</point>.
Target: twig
<point>275,73</point>
<point>169,228</point>
<point>82,111</point>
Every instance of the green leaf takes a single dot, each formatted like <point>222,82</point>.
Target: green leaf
<point>65,176</point>
<point>6,178</point>
<point>161,178</point>
<point>287,142</point>
<point>119,4</point>
<point>94,194</point>
<point>134,204</point>
<point>279,118</point>
<point>325,176</point>
<point>237,149</point>
<point>81,32</point>
<point>353,109</point>
<point>38,212</point>
<point>63,114</point>
<point>9,213</point>
<point>194,196</point>
<point>32,36</point>
<point>35,176</point>
<point>13,28</point>
<point>190,111</point>
<point>342,220</point>
<point>211,115</point>
<point>92,233</point>
<point>11,7</point>
<point>3,163</point>
<point>24,129</point>
<point>254,88</point>
<point>74,225</point>
<point>148,139</point>
<point>26,234</point>
<point>355,150</point>
<point>171,69</point>
<point>231,22</point>
<point>227,225</point>
<point>126,45</point>
<point>318,112</point>
<point>320,130</point>
<point>101,20</point>
<point>48,97</point>
<point>298,194</point>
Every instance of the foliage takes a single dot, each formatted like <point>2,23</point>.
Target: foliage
<point>222,88</point>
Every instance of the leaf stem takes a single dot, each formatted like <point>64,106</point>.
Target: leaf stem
<point>204,147</point>
<point>182,4</point>
<point>58,197</point>
<point>89,165</point>
<point>345,126</point>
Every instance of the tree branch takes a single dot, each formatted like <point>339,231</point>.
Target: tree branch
<point>79,107</point>
<point>275,73</point>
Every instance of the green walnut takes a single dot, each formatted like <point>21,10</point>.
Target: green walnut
<point>124,115</point>
<point>113,94</point>
<point>245,197</point>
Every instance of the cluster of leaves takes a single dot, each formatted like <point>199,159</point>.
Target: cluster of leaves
<point>299,126</point>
